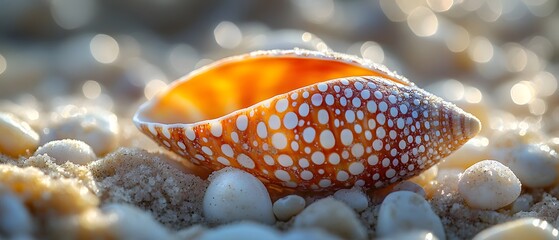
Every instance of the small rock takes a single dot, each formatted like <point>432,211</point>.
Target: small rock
<point>236,195</point>
<point>17,136</point>
<point>68,150</point>
<point>525,228</point>
<point>15,220</point>
<point>132,223</point>
<point>354,198</point>
<point>288,206</point>
<point>536,165</point>
<point>241,231</point>
<point>98,128</point>
<point>307,234</point>
<point>332,216</point>
<point>522,203</point>
<point>412,235</point>
<point>404,211</point>
<point>489,185</point>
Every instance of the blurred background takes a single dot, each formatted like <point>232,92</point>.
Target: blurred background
<point>496,58</point>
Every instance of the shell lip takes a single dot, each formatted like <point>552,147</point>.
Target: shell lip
<point>301,53</point>
<point>139,120</point>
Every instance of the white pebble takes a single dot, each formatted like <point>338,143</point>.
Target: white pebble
<point>525,228</point>
<point>288,206</point>
<point>536,165</point>
<point>354,198</point>
<point>130,222</point>
<point>68,150</point>
<point>412,235</point>
<point>308,234</point>
<point>15,220</point>
<point>236,195</point>
<point>241,231</point>
<point>404,211</point>
<point>489,185</point>
<point>98,128</point>
<point>332,216</point>
<point>522,203</point>
<point>17,136</point>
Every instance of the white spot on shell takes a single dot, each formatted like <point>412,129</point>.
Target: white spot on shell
<point>281,105</point>
<point>334,158</point>
<point>318,158</point>
<point>290,120</point>
<point>356,168</point>
<point>279,140</point>
<point>285,160</point>
<point>316,99</point>
<point>304,110</point>
<point>309,134</point>
<point>242,122</point>
<point>274,122</point>
<point>190,133</point>
<point>227,150</point>
<point>323,116</point>
<point>282,175</point>
<point>216,129</point>
<point>261,130</point>
<point>346,136</point>
<point>327,139</point>
<point>245,161</point>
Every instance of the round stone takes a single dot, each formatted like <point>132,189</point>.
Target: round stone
<point>489,185</point>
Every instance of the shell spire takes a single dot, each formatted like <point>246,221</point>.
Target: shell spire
<point>314,121</point>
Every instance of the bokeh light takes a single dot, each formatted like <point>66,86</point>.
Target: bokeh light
<point>228,35</point>
<point>91,89</point>
<point>104,48</point>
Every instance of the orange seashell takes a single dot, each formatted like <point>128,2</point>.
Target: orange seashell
<point>306,120</point>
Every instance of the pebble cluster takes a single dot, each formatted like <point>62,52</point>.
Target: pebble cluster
<point>74,166</point>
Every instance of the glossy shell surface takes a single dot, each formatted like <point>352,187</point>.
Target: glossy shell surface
<point>305,120</point>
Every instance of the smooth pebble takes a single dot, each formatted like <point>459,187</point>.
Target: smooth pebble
<point>308,234</point>
<point>332,216</point>
<point>522,203</point>
<point>241,231</point>
<point>288,206</point>
<point>15,220</point>
<point>412,235</point>
<point>354,198</point>
<point>405,211</point>
<point>68,150</point>
<point>536,165</point>
<point>489,185</point>
<point>235,195</point>
<point>17,136</point>
<point>525,228</point>
<point>98,128</point>
<point>130,222</point>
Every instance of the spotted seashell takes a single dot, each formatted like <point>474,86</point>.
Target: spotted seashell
<point>306,120</point>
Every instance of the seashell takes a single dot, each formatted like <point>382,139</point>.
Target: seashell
<point>305,120</point>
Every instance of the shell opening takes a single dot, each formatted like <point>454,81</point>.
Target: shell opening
<point>237,83</point>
